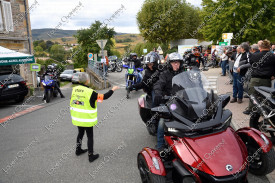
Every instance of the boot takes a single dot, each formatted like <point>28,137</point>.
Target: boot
<point>62,96</point>
<point>233,100</point>
<point>93,157</point>
<point>240,101</point>
<point>80,151</point>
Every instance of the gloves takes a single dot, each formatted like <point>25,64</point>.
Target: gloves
<point>157,100</point>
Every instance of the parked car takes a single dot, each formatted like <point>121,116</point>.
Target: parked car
<point>66,75</point>
<point>12,87</point>
<point>79,70</point>
<point>75,78</point>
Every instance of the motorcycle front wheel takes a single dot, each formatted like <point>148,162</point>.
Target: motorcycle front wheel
<point>128,91</point>
<point>256,123</point>
<point>260,163</point>
<point>145,174</point>
<point>48,96</point>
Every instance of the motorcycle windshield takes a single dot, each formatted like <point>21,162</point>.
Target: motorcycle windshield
<point>47,78</point>
<point>189,88</point>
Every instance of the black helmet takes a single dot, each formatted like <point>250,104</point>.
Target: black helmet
<point>172,57</point>
<point>133,55</point>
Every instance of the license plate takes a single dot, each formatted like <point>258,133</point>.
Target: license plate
<point>13,86</point>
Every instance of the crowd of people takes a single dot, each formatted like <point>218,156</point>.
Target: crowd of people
<point>244,64</point>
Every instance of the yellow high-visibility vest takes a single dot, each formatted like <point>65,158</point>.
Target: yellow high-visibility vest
<point>82,113</point>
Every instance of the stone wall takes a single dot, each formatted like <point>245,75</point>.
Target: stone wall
<point>96,81</point>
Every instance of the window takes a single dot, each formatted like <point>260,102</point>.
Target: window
<point>6,21</point>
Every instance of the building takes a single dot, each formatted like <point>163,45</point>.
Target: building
<point>15,31</point>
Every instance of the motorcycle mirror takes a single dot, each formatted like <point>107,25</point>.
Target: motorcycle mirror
<point>225,100</point>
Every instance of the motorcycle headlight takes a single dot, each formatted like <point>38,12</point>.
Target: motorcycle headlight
<point>43,84</point>
<point>264,139</point>
<point>130,71</point>
<point>156,163</point>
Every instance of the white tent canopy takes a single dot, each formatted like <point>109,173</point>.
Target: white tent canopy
<point>10,57</point>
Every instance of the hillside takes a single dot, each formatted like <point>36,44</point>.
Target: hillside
<point>47,34</point>
<point>66,37</point>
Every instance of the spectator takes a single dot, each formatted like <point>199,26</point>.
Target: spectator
<point>255,48</point>
<point>263,69</point>
<point>237,85</point>
<point>214,58</point>
<point>224,61</point>
<point>244,65</point>
<point>273,49</point>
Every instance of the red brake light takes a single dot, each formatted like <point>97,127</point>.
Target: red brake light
<point>23,82</point>
<point>1,86</point>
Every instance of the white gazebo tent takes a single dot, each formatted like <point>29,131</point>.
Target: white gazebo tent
<point>10,57</point>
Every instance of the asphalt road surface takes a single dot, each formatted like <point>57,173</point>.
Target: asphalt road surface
<point>40,146</point>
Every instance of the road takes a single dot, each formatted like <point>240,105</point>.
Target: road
<point>39,146</point>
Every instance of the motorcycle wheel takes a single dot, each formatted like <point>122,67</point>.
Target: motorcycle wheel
<point>128,91</point>
<point>55,93</point>
<point>48,96</point>
<point>260,163</point>
<point>145,174</point>
<point>254,123</point>
<point>118,68</point>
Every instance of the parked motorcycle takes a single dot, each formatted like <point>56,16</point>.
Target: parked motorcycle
<point>131,76</point>
<point>114,64</point>
<point>263,111</point>
<point>48,83</point>
<point>201,146</point>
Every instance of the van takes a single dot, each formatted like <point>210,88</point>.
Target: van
<point>79,70</point>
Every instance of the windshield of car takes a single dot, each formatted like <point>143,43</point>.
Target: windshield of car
<point>68,72</point>
<point>10,77</point>
<point>189,88</point>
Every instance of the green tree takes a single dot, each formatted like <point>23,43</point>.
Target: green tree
<point>87,40</point>
<point>161,21</point>
<point>247,20</point>
<point>58,53</point>
<point>38,49</point>
<point>49,45</point>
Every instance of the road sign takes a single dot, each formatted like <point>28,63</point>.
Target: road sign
<point>101,43</point>
<point>35,67</point>
<point>104,53</point>
<point>228,41</point>
<point>227,36</point>
<point>223,43</point>
<point>160,50</point>
<point>90,56</point>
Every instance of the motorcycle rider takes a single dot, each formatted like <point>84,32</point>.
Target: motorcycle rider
<point>150,77</point>
<point>133,58</point>
<point>52,70</point>
<point>195,58</point>
<point>164,87</point>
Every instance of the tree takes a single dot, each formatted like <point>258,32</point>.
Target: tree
<point>58,53</point>
<point>43,45</point>
<point>49,44</point>
<point>38,49</point>
<point>161,21</point>
<point>247,20</point>
<point>87,40</point>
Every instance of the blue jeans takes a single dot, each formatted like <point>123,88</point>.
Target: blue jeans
<point>237,86</point>
<point>160,134</point>
<point>223,65</point>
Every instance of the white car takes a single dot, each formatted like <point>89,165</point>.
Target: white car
<point>66,75</point>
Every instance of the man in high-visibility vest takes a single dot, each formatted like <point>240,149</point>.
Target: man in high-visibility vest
<point>83,107</point>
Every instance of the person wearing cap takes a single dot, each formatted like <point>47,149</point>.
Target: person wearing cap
<point>83,108</point>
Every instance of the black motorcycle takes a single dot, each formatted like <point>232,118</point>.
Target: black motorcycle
<point>263,111</point>
<point>115,65</point>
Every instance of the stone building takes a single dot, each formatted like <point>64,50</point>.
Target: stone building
<point>15,30</point>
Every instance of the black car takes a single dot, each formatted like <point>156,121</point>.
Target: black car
<point>12,86</point>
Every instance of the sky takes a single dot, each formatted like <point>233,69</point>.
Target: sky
<point>77,14</point>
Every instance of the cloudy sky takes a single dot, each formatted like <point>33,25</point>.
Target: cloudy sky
<point>77,14</point>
